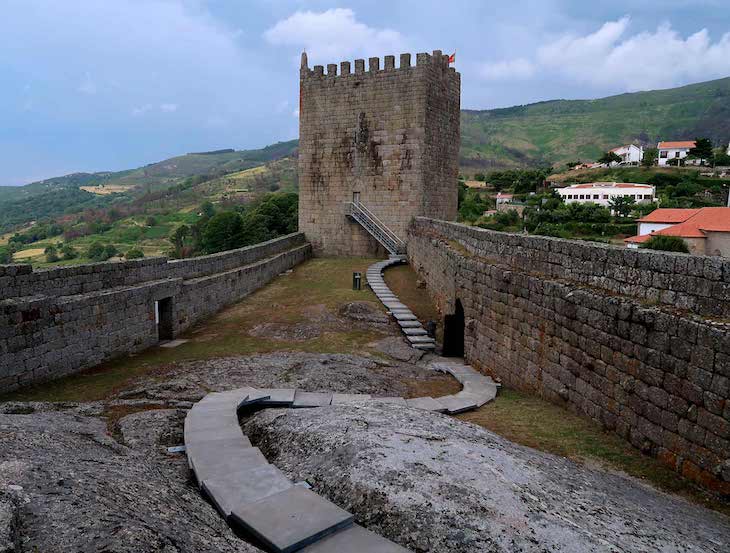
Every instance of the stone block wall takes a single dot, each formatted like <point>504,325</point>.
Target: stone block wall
<point>389,134</point>
<point>55,322</point>
<point>593,328</point>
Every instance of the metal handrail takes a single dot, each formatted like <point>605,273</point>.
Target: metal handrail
<point>388,235</point>
<point>392,235</point>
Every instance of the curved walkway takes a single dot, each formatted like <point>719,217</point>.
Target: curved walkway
<point>257,497</point>
<point>408,322</point>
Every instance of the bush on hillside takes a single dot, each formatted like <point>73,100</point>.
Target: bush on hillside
<point>666,243</point>
<point>69,252</point>
<point>51,254</point>
<point>134,253</point>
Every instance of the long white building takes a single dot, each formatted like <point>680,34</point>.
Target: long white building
<point>602,192</point>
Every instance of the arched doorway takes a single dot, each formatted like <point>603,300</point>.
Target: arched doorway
<point>454,332</point>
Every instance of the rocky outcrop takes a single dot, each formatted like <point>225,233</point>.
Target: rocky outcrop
<point>80,490</point>
<point>435,484</point>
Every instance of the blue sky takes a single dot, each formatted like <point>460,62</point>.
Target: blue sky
<point>92,85</point>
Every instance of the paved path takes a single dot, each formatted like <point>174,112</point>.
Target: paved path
<point>408,322</point>
<point>256,496</point>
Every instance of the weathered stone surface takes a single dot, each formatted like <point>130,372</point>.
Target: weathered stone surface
<point>593,328</point>
<point>364,311</point>
<point>83,315</point>
<point>433,483</point>
<point>84,491</point>
<point>304,371</point>
<point>390,136</point>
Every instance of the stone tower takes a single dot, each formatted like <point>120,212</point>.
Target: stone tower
<point>387,138</point>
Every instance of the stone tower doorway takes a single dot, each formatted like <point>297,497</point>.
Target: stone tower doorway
<point>454,332</point>
<point>163,312</point>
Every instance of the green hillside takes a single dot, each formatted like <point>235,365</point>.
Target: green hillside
<point>566,130</point>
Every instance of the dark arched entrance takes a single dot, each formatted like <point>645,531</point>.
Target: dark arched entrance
<point>454,332</point>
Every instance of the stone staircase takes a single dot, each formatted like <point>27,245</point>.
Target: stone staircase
<point>375,227</point>
<point>257,497</point>
<point>408,322</point>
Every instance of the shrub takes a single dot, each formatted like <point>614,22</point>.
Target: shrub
<point>110,251</point>
<point>134,253</point>
<point>68,251</point>
<point>666,243</point>
<point>51,254</point>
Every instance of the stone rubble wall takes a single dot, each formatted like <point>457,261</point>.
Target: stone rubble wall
<point>593,328</point>
<point>390,134</point>
<point>56,322</point>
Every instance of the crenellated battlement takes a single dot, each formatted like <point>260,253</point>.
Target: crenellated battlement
<point>423,60</point>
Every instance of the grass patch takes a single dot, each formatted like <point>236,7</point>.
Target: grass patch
<point>318,286</point>
<point>536,423</point>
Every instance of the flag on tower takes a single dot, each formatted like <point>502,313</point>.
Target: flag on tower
<point>452,58</point>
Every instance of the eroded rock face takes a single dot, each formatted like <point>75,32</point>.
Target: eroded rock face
<point>310,372</point>
<point>80,490</point>
<point>435,484</point>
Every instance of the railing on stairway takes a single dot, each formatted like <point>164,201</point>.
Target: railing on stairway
<point>377,229</point>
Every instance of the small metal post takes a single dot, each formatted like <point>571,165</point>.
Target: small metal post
<point>357,281</point>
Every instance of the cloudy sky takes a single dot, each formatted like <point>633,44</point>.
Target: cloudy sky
<point>92,85</point>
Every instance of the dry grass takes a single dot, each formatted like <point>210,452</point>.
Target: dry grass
<point>28,254</point>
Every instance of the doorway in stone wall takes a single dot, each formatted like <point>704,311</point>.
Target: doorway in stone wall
<point>454,332</point>
<point>163,316</point>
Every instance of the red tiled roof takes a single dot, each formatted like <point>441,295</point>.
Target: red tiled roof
<point>638,239</point>
<point>677,144</point>
<point>706,219</point>
<point>666,215</point>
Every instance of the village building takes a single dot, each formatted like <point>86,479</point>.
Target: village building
<point>706,230</point>
<point>673,150</point>
<point>601,193</point>
<point>629,154</point>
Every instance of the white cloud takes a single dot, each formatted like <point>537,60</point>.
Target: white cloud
<point>519,68</point>
<point>87,86</point>
<point>141,110</point>
<point>333,35</point>
<point>168,108</point>
<point>612,59</point>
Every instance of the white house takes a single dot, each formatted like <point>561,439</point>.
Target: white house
<point>601,192</point>
<point>630,153</point>
<point>674,150</point>
<point>502,198</point>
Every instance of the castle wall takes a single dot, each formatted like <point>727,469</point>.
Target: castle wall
<point>59,321</point>
<point>390,134</point>
<point>636,340</point>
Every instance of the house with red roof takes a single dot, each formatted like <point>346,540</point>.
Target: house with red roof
<point>677,149</point>
<point>705,230</point>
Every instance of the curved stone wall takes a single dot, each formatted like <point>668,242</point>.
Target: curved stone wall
<point>632,339</point>
<point>59,321</point>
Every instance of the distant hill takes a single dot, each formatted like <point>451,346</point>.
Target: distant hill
<point>544,133</point>
<point>560,131</point>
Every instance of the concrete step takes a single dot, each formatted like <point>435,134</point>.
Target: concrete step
<point>291,519</point>
<point>427,404</point>
<point>311,399</point>
<point>354,539</point>
<point>415,332</point>
<point>245,486</point>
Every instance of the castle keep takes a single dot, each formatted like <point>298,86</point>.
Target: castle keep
<point>385,139</point>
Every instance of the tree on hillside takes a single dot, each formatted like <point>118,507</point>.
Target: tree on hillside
<point>609,157</point>
<point>51,254</point>
<point>666,243</point>
<point>224,231</point>
<point>177,238</point>
<point>650,157</point>
<point>622,206</point>
<point>702,150</point>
